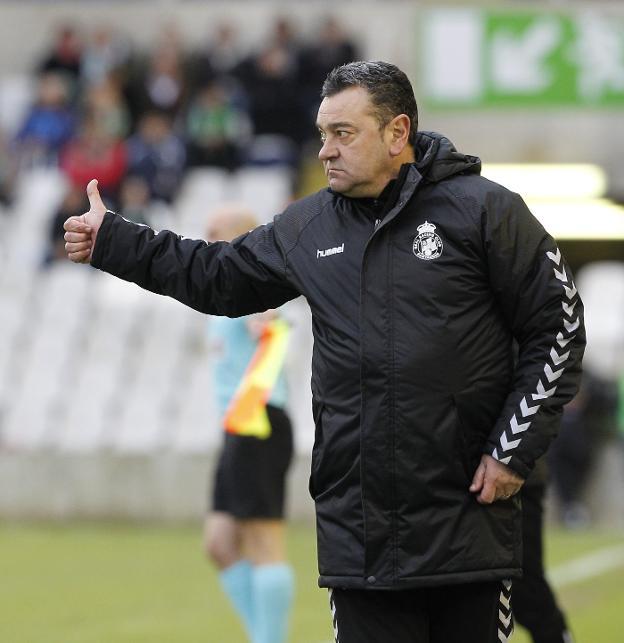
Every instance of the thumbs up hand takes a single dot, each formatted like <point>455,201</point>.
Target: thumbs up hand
<point>81,232</point>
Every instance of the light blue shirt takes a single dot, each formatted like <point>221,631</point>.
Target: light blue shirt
<point>233,346</point>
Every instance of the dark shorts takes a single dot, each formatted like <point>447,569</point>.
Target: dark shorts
<point>251,472</point>
<point>470,613</point>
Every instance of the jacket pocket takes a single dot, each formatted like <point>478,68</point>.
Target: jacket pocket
<point>469,444</point>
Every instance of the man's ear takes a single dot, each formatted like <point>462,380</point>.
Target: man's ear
<point>399,130</point>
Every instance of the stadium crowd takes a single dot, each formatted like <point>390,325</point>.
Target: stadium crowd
<point>137,119</point>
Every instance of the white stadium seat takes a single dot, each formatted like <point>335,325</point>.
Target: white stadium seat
<point>601,286</point>
<point>16,96</point>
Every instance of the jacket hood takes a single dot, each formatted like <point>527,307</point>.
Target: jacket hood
<point>437,158</point>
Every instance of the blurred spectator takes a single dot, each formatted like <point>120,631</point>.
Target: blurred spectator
<point>270,77</point>
<point>284,37</point>
<point>216,130</point>
<point>535,605</point>
<point>106,55</point>
<point>157,154</point>
<point>219,58</point>
<point>65,56</point>
<point>329,49</point>
<point>225,50</point>
<point>49,124</point>
<point>587,421</point>
<point>271,81</point>
<point>95,153</point>
<point>570,459</point>
<point>105,103</point>
<point>160,84</point>
<point>74,204</point>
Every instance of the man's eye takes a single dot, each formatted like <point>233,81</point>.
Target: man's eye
<point>323,137</point>
<point>342,133</point>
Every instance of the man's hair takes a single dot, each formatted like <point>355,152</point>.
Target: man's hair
<point>389,88</point>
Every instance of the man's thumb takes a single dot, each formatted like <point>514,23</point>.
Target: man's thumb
<point>478,478</point>
<point>95,200</point>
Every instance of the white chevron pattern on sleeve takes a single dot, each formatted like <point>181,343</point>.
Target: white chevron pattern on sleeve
<point>332,607</point>
<point>505,615</point>
<point>547,384</point>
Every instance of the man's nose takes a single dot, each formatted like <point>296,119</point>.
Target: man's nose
<point>328,151</point>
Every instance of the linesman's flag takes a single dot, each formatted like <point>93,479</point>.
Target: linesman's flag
<point>246,414</point>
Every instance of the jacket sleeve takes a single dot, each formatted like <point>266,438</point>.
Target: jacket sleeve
<point>535,290</point>
<point>245,276</point>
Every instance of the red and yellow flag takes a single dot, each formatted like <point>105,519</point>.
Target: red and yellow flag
<point>246,414</point>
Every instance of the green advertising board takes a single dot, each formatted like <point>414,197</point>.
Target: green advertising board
<point>484,58</point>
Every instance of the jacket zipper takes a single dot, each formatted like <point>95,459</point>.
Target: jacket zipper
<point>379,223</point>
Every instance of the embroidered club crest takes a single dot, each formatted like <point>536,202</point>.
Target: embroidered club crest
<point>427,245</point>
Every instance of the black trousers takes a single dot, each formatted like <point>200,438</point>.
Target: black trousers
<point>251,474</point>
<point>470,613</point>
<point>534,604</point>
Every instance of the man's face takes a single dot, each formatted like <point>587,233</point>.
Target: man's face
<point>356,152</point>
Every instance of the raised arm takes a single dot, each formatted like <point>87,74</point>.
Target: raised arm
<point>244,276</point>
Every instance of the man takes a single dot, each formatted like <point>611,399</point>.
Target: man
<point>244,533</point>
<point>419,274</point>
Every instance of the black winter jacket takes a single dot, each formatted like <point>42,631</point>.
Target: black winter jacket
<point>413,372</point>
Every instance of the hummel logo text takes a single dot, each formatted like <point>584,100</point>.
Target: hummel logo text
<point>330,251</point>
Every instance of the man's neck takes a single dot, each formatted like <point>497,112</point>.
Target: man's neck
<point>406,156</point>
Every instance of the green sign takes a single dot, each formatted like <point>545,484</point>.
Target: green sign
<point>481,58</point>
